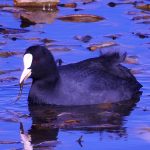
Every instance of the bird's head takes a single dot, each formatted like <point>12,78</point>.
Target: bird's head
<point>38,64</point>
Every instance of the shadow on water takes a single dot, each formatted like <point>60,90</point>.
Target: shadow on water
<point>48,120</point>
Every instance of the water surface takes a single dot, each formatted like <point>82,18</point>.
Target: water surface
<point>119,126</point>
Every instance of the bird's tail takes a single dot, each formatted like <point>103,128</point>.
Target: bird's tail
<point>113,58</point>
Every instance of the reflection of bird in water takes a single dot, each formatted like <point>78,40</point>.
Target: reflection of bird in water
<point>47,119</point>
<point>92,81</point>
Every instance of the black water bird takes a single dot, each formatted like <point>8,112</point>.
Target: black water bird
<point>92,81</point>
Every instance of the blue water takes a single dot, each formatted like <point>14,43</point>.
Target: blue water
<point>132,126</point>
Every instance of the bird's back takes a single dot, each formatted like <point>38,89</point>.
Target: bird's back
<point>97,80</point>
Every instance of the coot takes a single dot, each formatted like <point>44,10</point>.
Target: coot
<point>92,81</point>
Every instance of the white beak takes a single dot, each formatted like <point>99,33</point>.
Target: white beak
<point>27,59</point>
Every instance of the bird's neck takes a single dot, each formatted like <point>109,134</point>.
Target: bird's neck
<point>46,83</point>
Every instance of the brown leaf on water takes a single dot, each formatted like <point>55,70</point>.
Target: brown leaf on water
<point>101,45</point>
<point>59,49</point>
<point>144,7</point>
<point>69,5</point>
<point>46,40</point>
<point>12,31</point>
<point>84,39</point>
<point>88,1</point>
<point>36,3</point>
<point>9,54</point>
<point>113,36</point>
<point>142,35</point>
<point>81,18</point>
<point>132,60</point>
<point>141,17</point>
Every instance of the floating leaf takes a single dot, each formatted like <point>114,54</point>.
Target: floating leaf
<point>47,40</point>
<point>88,2</point>
<point>36,3</point>
<point>113,36</point>
<point>84,39</point>
<point>144,7</point>
<point>9,54</point>
<point>101,45</point>
<point>61,49</point>
<point>69,5</point>
<point>12,31</point>
<point>141,17</point>
<point>142,35</point>
<point>81,18</point>
<point>132,60</point>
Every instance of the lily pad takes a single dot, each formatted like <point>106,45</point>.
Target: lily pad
<point>81,18</point>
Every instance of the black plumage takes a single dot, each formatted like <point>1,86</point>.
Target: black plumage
<point>92,81</point>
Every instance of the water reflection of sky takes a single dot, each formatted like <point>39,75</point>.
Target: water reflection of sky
<point>135,124</point>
